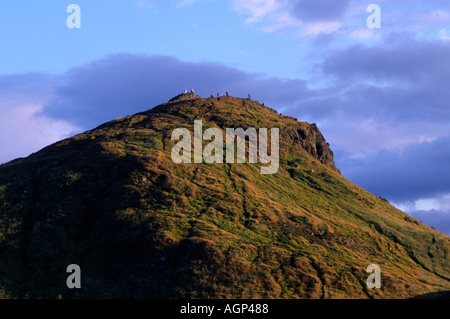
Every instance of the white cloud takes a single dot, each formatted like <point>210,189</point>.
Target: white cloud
<point>346,19</point>
<point>443,35</point>
<point>363,34</point>
<point>316,28</point>
<point>441,203</point>
<point>22,129</point>
<point>434,17</point>
<point>258,9</point>
<point>278,15</point>
<point>433,211</point>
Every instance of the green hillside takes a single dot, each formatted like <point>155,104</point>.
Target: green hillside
<point>112,201</point>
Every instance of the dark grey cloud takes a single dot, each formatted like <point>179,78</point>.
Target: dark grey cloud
<point>318,10</point>
<point>401,80</point>
<point>440,220</point>
<point>25,84</point>
<point>419,171</point>
<point>397,59</point>
<point>127,84</point>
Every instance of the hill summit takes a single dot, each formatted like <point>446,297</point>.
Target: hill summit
<point>184,97</point>
<point>112,201</point>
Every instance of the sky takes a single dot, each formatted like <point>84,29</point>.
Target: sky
<point>380,95</point>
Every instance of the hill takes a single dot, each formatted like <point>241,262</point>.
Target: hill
<point>140,226</point>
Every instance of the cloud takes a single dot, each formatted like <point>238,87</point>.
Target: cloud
<point>22,128</point>
<point>126,84</point>
<point>433,211</point>
<point>399,59</point>
<point>382,97</point>
<point>418,171</point>
<point>299,10</point>
<point>311,16</point>
<point>346,19</point>
<point>258,9</point>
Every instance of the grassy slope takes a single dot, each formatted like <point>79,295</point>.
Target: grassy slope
<point>112,201</point>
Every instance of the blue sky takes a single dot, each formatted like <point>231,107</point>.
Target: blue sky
<point>380,96</point>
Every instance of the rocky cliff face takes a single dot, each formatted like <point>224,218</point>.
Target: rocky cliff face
<point>312,141</point>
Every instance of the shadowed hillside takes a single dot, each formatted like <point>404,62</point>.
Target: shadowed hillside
<point>112,201</point>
